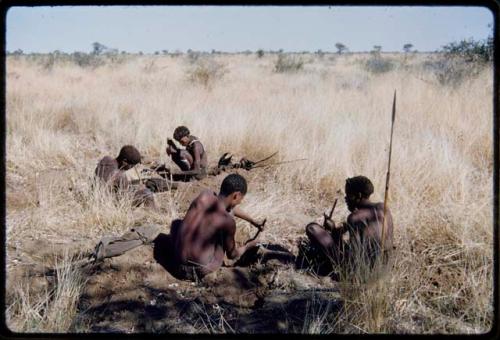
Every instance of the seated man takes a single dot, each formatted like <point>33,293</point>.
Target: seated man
<point>364,225</point>
<point>112,172</point>
<point>207,231</point>
<point>192,161</point>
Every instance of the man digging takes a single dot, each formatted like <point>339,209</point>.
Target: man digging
<point>364,225</point>
<point>111,171</point>
<point>207,231</point>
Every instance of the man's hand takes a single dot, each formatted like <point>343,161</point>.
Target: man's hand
<point>328,223</point>
<point>153,165</point>
<point>260,225</point>
<point>252,243</point>
<point>170,150</point>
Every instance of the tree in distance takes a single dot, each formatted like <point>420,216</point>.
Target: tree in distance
<point>340,47</point>
<point>407,47</point>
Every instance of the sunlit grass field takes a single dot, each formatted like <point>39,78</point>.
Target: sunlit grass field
<point>333,111</point>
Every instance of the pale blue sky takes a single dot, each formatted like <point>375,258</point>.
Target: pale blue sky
<point>238,28</point>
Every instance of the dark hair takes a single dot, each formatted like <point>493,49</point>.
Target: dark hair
<point>181,131</point>
<point>360,184</point>
<point>129,154</point>
<point>233,183</point>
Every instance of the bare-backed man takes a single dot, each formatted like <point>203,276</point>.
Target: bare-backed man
<point>111,171</point>
<point>364,225</point>
<point>207,231</point>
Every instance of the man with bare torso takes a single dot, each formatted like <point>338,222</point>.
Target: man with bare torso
<point>192,161</point>
<point>111,171</point>
<point>207,231</point>
<point>364,225</point>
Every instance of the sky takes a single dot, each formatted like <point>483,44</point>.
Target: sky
<point>238,28</point>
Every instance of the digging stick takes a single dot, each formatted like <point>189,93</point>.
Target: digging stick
<point>333,208</point>
<point>386,194</point>
<point>257,233</point>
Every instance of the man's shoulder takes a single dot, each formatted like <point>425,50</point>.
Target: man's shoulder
<point>206,197</point>
<point>107,161</point>
<point>195,141</point>
<point>207,193</point>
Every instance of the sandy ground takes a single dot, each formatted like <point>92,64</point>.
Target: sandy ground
<point>268,290</point>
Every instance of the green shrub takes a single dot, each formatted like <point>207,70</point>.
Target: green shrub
<point>459,61</point>
<point>206,72</point>
<point>470,50</point>
<point>376,64</point>
<point>451,71</point>
<point>87,60</point>
<point>287,63</point>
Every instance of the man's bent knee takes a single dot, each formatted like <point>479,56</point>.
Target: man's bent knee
<point>312,229</point>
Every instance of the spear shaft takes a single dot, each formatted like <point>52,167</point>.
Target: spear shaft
<point>279,163</point>
<point>386,194</point>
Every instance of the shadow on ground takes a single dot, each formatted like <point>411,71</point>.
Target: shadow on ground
<point>262,293</point>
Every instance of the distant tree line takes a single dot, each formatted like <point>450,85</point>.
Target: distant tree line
<point>470,50</point>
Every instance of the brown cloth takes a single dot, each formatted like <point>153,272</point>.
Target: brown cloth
<point>110,246</point>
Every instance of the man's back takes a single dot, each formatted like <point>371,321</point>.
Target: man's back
<point>200,239</point>
<point>367,222</point>
<point>107,170</point>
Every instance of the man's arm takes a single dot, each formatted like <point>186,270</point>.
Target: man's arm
<point>233,252</point>
<point>196,163</point>
<point>244,216</point>
<point>354,225</point>
<point>171,148</point>
<point>119,181</point>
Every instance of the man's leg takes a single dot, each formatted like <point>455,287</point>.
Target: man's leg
<point>321,239</point>
<point>144,196</point>
<point>183,159</point>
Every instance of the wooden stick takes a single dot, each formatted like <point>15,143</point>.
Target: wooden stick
<point>257,233</point>
<point>279,163</point>
<point>386,194</point>
<point>265,159</point>
<point>333,208</point>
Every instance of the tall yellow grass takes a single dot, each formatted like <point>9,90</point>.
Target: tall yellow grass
<point>60,121</point>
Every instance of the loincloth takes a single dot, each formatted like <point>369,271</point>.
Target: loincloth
<point>191,272</point>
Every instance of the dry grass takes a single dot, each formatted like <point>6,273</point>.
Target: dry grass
<point>61,120</point>
<point>52,310</point>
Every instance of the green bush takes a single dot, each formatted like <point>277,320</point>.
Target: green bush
<point>206,72</point>
<point>458,61</point>
<point>286,63</point>
<point>451,71</point>
<point>87,60</point>
<point>376,64</point>
<point>470,50</point>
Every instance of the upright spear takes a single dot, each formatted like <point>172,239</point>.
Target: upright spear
<point>386,195</point>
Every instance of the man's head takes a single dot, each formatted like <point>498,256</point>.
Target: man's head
<point>128,157</point>
<point>233,189</point>
<point>357,189</point>
<point>181,134</point>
